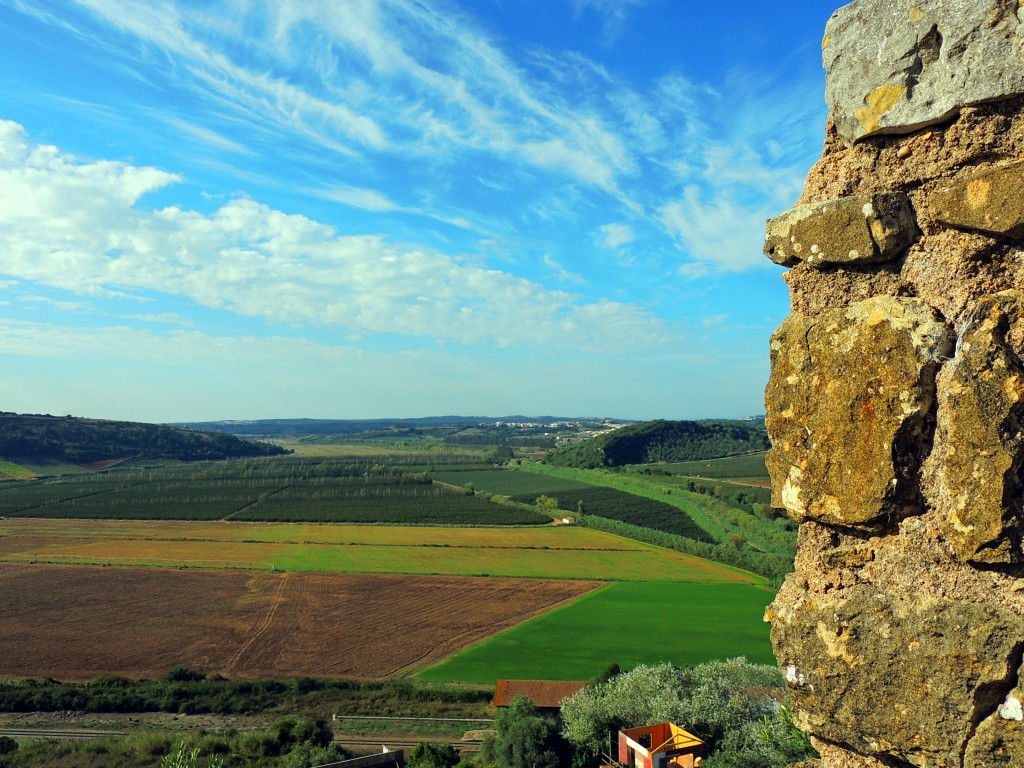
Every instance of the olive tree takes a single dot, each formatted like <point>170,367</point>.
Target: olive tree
<point>733,706</point>
<point>523,739</point>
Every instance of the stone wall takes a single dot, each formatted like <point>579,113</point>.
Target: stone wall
<point>896,399</point>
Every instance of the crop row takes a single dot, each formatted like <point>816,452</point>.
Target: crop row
<point>508,482</point>
<point>436,509</point>
<point>379,494</point>
<point>635,510</point>
<point>750,466</point>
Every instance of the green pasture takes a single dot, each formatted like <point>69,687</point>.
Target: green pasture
<point>750,468</point>
<point>649,564</point>
<point>626,624</point>
<point>506,482</point>
<point>8,469</point>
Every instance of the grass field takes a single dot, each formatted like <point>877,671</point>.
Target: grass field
<point>509,482</point>
<point>574,496</point>
<point>10,470</point>
<point>550,552</point>
<point>626,624</point>
<point>748,468</point>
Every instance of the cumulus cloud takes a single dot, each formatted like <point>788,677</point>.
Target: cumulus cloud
<point>81,227</point>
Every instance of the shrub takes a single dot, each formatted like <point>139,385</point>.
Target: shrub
<point>733,706</point>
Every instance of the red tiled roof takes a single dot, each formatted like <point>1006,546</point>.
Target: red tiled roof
<point>543,693</point>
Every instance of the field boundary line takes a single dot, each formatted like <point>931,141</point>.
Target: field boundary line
<point>418,664</point>
<point>259,500</point>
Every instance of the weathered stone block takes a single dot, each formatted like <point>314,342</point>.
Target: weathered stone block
<point>979,441</point>
<point>991,202</point>
<point>893,675</point>
<point>893,66</point>
<point>860,229</point>
<point>848,402</point>
<point>999,740</point>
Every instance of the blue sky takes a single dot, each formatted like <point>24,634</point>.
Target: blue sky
<point>391,208</point>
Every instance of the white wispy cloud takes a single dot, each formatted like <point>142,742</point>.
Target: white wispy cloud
<point>717,231</point>
<point>562,274</point>
<point>78,226</point>
<point>206,136</point>
<point>615,236</point>
<point>367,199</point>
<point>375,82</point>
<point>614,12</point>
<point>368,86</point>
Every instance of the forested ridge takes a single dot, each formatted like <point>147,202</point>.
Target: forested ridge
<point>80,440</point>
<point>664,441</point>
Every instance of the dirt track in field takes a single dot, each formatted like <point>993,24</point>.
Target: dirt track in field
<point>79,622</point>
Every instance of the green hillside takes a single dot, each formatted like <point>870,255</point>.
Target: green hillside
<point>80,441</point>
<point>664,441</point>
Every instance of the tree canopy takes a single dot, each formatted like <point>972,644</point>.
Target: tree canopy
<point>78,440</point>
<point>657,441</point>
<point>733,706</point>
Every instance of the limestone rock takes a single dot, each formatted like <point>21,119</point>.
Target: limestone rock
<point>849,399</point>
<point>979,442</point>
<point>991,202</point>
<point>860,229</point>
<point>999,740</point>
<point>891,675</point>
<point>893,66</point>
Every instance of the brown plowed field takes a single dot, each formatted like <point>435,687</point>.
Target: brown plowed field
<point>79,622</point>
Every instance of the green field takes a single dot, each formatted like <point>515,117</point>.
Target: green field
<point>284,514</point>
<point>283,490</point>
<point>748,468</point>
<point>549,552</point>
<point>509,482</point>
<point>8,469</point>
<point>626,624</point>
<point>576,497</point>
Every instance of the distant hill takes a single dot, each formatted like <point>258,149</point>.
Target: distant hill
<point>654,441</point>
<point>305,427</point>
<point>82,441</point>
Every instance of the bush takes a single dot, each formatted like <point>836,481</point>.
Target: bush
<point>433,755</point>
<point>733,706</point>
<point>524,739</point>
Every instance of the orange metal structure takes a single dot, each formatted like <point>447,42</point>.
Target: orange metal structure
<point>660,746</point>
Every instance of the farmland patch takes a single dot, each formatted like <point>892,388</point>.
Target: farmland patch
<point>59,621</point>
<point>564,552</point>
<point>325,490</point>
<point>626,624</point>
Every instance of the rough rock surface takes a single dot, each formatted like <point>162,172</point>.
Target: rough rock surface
<point>894,66</point>
<point>857,463</point>
<point>979,443</point>
<point>860,229</point>
<point>991,202</point>
<point>896,399</point>
<point>841,672</point>
<point>999,739</point>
